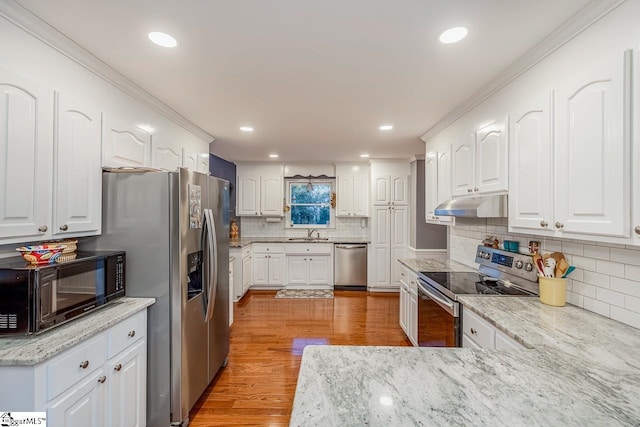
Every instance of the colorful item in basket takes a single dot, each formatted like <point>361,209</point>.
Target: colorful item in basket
<point>41,254</point>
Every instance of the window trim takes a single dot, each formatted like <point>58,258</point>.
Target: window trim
<point>332,211</point>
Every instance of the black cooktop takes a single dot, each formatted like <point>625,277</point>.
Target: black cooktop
<point>474,283</point>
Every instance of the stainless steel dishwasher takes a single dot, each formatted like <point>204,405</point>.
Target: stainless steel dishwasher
<point>350,267</point>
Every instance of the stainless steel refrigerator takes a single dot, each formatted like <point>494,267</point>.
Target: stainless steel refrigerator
<point>174,227</point>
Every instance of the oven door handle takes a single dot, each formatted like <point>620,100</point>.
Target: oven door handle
<point>449,306</point>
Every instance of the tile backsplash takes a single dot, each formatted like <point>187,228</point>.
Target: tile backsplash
<point>357,228</point>
<point>607,276</point>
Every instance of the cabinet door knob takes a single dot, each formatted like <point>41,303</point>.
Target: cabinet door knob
<point>637,229</point>
<point>559,224</point>
<point>473,331</point>
<point>43,228</point>
<point>469,190</point>
<point>117,368</point>
<point>476,189</point>
<point>64,227</point>
<point>102,379</point>
<point>85,364</point>
<point>543,223</point>
<point>132,334</point>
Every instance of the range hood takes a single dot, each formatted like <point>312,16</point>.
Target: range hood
<point>474,207</point>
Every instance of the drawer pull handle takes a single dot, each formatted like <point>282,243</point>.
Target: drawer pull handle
<point>132,334</point>
<point>473,331</point>
<point>117,368</point>
<point>85,364</point>
<point>102,379</point>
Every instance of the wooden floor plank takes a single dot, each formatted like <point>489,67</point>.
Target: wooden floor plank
<point>267,339</point>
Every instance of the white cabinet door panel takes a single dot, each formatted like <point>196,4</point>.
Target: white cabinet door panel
<point>189,159</point>
<point>361,195</point>
<point>464,160</point>
<point>381,189</point>
<point>491,153</point>
<point>124,144</point>
<point>319,270</point>
<point>592,150</point>
<point>271,196</point>
<point>164,156</point>
<point>83,407</point>
<point>431,184</point>
<point>127,387</point>
<point>400,190</point>
<point>531,166</point>
<point>26,142</point>
<point>78,186</point>
<point>345,196</point>
<point>248,195</point>
<point>203,163</point>
<point>296,270</point>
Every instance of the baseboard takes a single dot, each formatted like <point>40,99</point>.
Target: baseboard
<point>427,253</point>
<point>396,289</point>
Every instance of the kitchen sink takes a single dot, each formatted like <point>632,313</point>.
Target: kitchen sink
<point>308,239</point>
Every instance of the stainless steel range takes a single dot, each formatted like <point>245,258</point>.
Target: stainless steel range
<point>499,273</point>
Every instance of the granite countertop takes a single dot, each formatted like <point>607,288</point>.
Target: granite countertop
<point>33,349</point>
<point>434,264</point>
<point>582,369</point>
<point>249,240</point>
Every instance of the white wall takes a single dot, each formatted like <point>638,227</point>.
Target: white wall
<point>607,278</point>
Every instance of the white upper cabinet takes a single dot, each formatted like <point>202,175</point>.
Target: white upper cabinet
<point>77,201</point>
<point>592,165</point>
<point>26,144</point>
<point>124,144</point>
<point>480,161</point>
<point>203,163</point>
<point>531,166</point>
<point>189,159</point>
<point>352,192</point>
<point>164,155</point>
<point>260,190</point>
<point>437,183</point>
<point>390,189</point>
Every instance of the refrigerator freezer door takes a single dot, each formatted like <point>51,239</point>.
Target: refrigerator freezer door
<point>193,349</point>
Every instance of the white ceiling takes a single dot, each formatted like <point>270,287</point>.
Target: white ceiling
<point>314,78</point>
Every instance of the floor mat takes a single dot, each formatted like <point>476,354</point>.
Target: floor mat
<point>304,293</point>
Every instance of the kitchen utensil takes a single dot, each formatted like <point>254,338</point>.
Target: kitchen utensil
<point>561,268</point>
<point>557,256</point>
<point>550,267</point>
<point>569,271</point>
<point>534,246</point>
<point>537,261</point>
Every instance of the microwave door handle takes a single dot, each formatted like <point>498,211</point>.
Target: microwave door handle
<point>205,273</point>
<point>446,305</point>
<point>213,264</point>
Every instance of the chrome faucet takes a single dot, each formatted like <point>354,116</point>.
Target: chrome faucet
<point>310,233</point>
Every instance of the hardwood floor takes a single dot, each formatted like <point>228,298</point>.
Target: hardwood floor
<point>267,338</point>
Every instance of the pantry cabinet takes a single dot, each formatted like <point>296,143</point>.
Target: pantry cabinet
<point>390,190</point>
<point>390,238</point>
<point>480,163</point>
<point>437,184</point>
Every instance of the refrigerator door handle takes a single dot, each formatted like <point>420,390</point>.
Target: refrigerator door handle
<point>204,237</point>
<point>213,263</point>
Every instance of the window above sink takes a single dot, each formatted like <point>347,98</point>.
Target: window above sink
<point>310,203</point>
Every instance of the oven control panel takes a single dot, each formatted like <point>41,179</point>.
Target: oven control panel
<point>518,264</point>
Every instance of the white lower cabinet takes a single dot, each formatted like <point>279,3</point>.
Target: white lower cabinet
<point>478,333</point>
<point>99,382</point>
<point>268,265</point>
<point>409,304</point>
<point>309,265</point>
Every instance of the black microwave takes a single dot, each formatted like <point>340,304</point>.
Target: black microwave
<point>34,299</point>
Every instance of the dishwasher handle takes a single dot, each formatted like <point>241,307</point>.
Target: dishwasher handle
<point>351,246</point>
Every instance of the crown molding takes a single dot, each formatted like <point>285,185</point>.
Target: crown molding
<point>569,29</point>
<point>32,24</point>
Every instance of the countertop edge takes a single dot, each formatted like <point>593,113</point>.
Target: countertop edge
<point>31,350</point>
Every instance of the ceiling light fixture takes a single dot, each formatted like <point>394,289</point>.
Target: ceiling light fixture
<point>386,127</point>
<point>246,128</point>
<point>274,156</point>
<point>162,39</point>
<point>364,155</point>
<point>453,35</point>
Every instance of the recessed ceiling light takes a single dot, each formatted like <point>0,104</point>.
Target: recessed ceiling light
<point>453,35</point>
<point>364,155</point>
<point>274,156</point>
<point>246,128</point>
<point>386,127</point>
<point>162,39</point>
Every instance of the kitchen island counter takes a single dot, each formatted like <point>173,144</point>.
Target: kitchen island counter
<point>582,369</point>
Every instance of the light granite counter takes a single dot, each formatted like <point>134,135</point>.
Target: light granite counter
<point>31,350</point>
<point>583,370</point>
<point>434,264</point>
<point>245,241</point>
